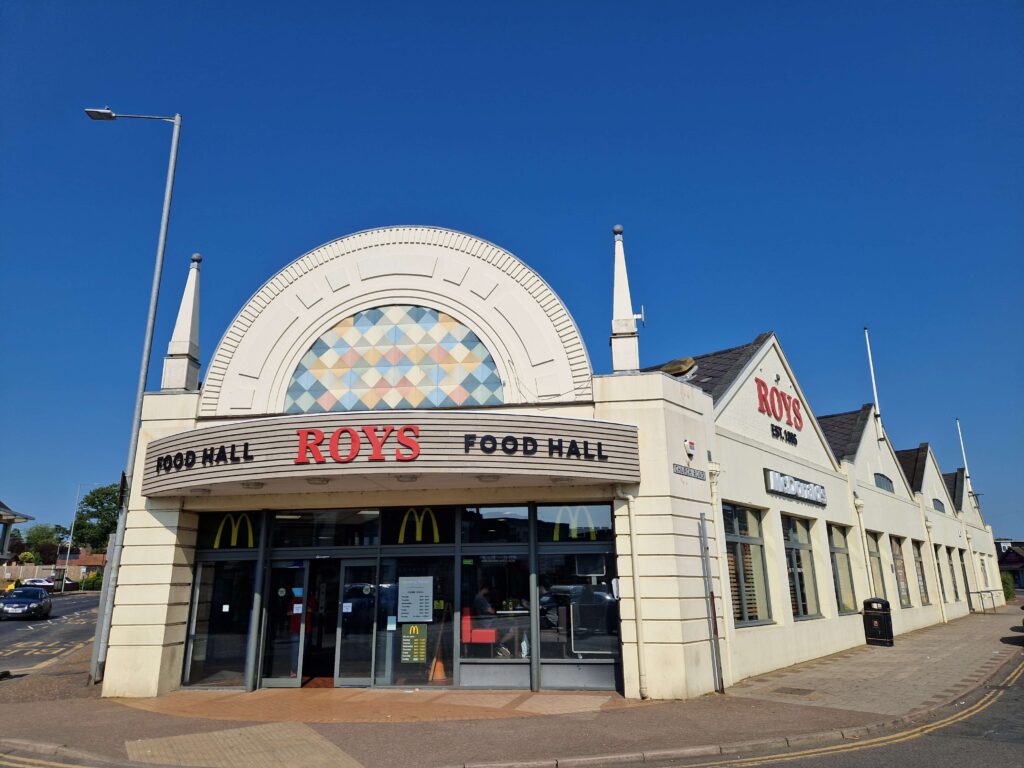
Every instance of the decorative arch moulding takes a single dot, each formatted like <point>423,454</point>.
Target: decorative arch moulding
<point>534,343</point>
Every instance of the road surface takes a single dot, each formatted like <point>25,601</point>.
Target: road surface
<point>26,644</point>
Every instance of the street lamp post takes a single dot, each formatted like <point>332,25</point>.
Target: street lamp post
<point>99,650</point>
<point>71,536</point>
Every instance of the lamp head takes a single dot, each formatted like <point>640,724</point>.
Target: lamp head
<point>101,114</point>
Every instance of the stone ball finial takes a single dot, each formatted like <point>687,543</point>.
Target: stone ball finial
<point>197,257</point>
<point>617,229</point>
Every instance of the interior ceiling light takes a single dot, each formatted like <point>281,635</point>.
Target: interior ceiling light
<point>406,478</point>
<point>487,478</point>
<point>253,484</point>
<point>318,480</point>
<point>201,491</point>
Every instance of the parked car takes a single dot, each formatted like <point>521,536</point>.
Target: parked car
<point>25,602</point>
<point>46,583</point>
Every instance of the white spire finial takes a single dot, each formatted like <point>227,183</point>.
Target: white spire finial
<point>625,342</point>
<point>879,429</point>
<point>181,365</point>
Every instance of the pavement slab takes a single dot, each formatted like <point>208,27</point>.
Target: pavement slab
<point>854,692</point>
<point>271,745</point>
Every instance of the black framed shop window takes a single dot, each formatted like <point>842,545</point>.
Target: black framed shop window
<point>748,578</point>
<point>842,572</point>
<point>900,568</point>
<point>803,589</point>
<point>875,562</point>
<point>922,583</point>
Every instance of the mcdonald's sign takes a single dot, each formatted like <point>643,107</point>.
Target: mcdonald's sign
<point>419,518</point>
<point>236,524</point>
<point>574,514</point>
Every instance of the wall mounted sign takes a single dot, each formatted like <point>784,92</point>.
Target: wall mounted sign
<point>786,485</point>
<point>696,474</point>
<point>421,447</point>
<point>781,406</point>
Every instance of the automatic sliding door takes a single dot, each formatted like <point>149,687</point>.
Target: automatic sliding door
<point>287,622</point>
<point>356,611</point>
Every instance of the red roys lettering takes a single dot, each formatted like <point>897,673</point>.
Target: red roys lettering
<point>307,445</point>
<point>762,396</point>
<point>407,438</point>
<point>353,445</point>
<point>377,442</point>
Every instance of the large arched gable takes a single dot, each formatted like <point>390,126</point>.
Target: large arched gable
<point>535,344</point>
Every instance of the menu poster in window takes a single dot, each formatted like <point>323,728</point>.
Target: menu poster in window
<point>414,644</point>
<point>415,599</point>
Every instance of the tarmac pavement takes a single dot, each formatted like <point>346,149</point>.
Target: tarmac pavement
<point>835,699</point>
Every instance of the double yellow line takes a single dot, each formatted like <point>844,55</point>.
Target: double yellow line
<point>14,761</point>
<point>981,705</point>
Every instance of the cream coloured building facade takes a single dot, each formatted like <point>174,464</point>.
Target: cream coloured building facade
<point>400,469</point>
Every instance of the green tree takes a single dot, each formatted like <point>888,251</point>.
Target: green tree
<point>96,518</point>
<point>40,534</point>
<point>26,558</point>
<point>17,544</point>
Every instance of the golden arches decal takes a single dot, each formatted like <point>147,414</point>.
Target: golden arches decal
<point>419,516</point>
<point>236,525</point>
<point>574,514</point>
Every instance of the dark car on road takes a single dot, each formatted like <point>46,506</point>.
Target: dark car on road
<point>25,602</point>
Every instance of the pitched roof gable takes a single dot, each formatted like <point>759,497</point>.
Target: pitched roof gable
<point>714,372</point>
<point>843,430</point>
<point>913,462</point>
<point>955,486</point>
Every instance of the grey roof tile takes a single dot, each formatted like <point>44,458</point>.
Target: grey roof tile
<point>716,371</point>
<point>843,430</point>
<point>912,462</point>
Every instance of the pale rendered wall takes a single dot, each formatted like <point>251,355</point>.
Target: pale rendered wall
<point>667,511</point>
<point>147,633</point>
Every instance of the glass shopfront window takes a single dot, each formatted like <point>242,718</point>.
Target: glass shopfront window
<point>747,576</point>
<point>574,523</point>
<point>406,526</point>
<point>221,606</point>
<point>803,589</point>
<point>495,607</point>
<point>579,606</point>
<point>496,525</point>
<point>842,573</point>
<point>409,596</point>
<point>228,530</point>
<point>414,621</point>
<point>326,528</point>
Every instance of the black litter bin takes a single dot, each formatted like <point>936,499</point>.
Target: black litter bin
<point>877,622</point>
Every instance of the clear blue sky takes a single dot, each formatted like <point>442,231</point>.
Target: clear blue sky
<point>803,167</point>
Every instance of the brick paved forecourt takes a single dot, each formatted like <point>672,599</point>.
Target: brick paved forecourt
<point>834,698</point>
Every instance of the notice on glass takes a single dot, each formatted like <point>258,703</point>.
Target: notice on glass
<point>415,599</point>
<point>414,644</point>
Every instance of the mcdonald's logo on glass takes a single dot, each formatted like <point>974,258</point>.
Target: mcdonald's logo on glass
<point>239,530</point>
<point>575,522</point>
<point>418,525</point>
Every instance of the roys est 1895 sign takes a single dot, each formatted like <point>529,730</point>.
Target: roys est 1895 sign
<point>491,446</point>
<point>773,402</point>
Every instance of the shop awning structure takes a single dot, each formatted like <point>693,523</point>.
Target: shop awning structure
<point>392,450</point>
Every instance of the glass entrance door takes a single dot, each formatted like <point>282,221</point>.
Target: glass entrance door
<point>219,627</point>
<point>356,609</point>
<point>288,622</point>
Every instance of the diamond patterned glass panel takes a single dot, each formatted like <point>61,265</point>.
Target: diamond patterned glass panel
<point>393,357</point>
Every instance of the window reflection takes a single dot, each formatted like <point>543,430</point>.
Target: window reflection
<point>326,528</point>
<point>496,607</point>
<point>579,609</point>
<point>572,523</point>
<point>496,525</point>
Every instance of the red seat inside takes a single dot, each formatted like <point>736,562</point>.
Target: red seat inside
<point>481,635</point>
